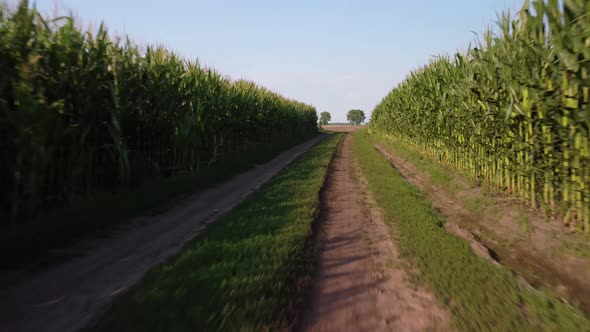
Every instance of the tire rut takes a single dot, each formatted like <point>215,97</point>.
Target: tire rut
<point>360,282</point>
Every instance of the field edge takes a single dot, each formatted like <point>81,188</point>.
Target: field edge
<point>251,279</point>
<point>479,295</point>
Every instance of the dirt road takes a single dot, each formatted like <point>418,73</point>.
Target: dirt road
<point>360,284</point>
<point>68,296</point>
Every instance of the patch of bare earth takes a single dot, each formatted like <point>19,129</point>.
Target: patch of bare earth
<point>534,252</point>
<point>341,128</point>
<point>360,284</point>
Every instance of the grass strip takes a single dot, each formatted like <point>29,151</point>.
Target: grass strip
<point>246,271</point>
<point>479,295</point>
<point>439,175</point>
<point>444,177</point>
<point>34,243</point>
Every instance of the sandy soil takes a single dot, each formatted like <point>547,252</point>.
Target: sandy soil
<point>534,254</point>
<point>69,296</point>
<point>359,284</point>
<point>341,128</point>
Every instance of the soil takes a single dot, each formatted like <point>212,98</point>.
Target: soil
<point>533,254</point>
<point>360,283</point>
<point>69,296</point>
<point>341,128</point>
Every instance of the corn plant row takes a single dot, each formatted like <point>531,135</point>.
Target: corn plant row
<point>81,111</point>
<point>513,111</point>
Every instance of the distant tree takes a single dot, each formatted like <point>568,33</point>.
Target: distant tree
<point>355,117</point>
<point>325,117</point>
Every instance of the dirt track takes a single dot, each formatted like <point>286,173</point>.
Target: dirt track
<point>68,296</point>
<point>535,255</point>
<point>360,284</point>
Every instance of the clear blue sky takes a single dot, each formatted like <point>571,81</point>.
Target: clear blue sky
<point>336,55</point>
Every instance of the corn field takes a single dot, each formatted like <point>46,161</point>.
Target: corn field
<point>512,112</point>
<point>83,111</point>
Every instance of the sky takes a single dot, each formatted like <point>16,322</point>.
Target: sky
<point>334,54</point>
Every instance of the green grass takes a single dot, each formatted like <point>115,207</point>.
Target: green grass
<point>31,244</point>
<point>524,223</point>
<point>474,204</point>
<point>246,271</point>
<point>438,175</point>
<point>577,244</point>
<point>479,295</point>
<point>443,177</point>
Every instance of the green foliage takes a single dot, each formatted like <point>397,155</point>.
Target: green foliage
<point>35,244</point>
<point>513,111</point>
<point>437,174</point>
<point>245,272</point>
<point>355,117</point>
<point>82,111</point>
<point>325,117</point>
<point>479,295</point>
